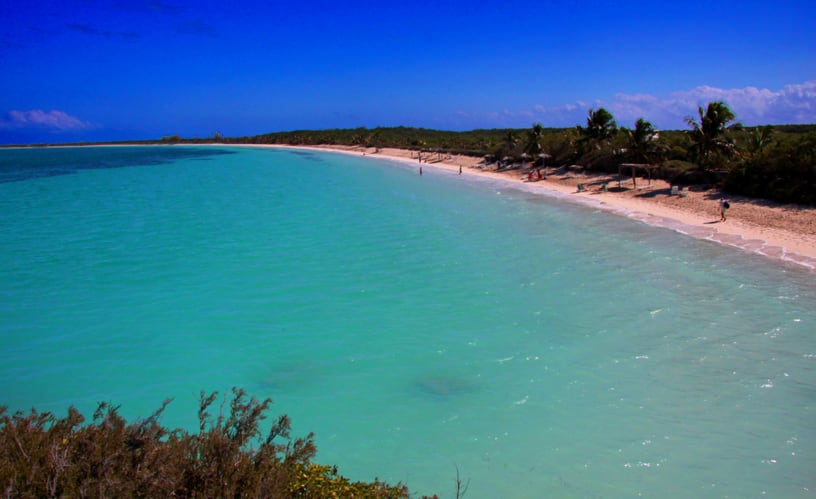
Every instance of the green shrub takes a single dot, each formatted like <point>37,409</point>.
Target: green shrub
<point>785,172</point>
<point>45,456</point>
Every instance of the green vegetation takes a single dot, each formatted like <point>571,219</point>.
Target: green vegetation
<point>473,143</point>
<point>45,456</point>
<point>171,139</point>
<point>600,128</point>
<point>642,142</point>
<point>711,145</point>
<point>783,170</point>
<point>776,163</point>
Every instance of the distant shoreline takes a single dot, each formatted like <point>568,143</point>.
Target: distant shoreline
<point>781,232</point>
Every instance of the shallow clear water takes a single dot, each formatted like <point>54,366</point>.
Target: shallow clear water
<point>418,325</point>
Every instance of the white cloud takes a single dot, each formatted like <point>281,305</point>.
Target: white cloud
<point>793,104</point>
<point>54,120</point>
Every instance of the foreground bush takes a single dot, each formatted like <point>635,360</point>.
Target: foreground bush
<point>44,456</point>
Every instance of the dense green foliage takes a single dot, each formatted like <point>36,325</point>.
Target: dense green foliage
<point>474,142</point>
<point>782,170</point>
<point>600,127</point>
<point>711,145</point>
<point>45,456</point>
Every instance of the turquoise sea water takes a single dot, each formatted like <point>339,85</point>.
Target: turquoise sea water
<point>417,325</point>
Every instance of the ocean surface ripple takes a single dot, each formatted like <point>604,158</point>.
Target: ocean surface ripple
<point>418,325</point>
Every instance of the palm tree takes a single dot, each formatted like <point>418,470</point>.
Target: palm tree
<point>643,140</point>
<point>710,143</point>
<point>534,136</point>
<point>600,127</point>
<point>760,139</point>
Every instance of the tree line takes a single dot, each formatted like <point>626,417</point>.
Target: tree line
<point>771,162</point>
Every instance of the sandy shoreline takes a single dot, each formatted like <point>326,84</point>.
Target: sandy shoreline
<point>782,232</point>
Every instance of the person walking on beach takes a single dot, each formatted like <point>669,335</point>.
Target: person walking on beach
<point>420,171</point>
<point>460,169</point>
<point>724,205</point>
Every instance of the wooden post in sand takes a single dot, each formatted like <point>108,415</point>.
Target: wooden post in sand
<point>635,166</point>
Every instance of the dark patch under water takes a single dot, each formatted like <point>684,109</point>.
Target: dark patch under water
<point>444,386</point>
<point>23,164</point>
<point>307,155</point>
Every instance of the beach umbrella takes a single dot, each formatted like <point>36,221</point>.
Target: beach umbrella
<point>524,157</point>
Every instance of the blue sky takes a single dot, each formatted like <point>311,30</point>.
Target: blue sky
<point>140,69</point>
